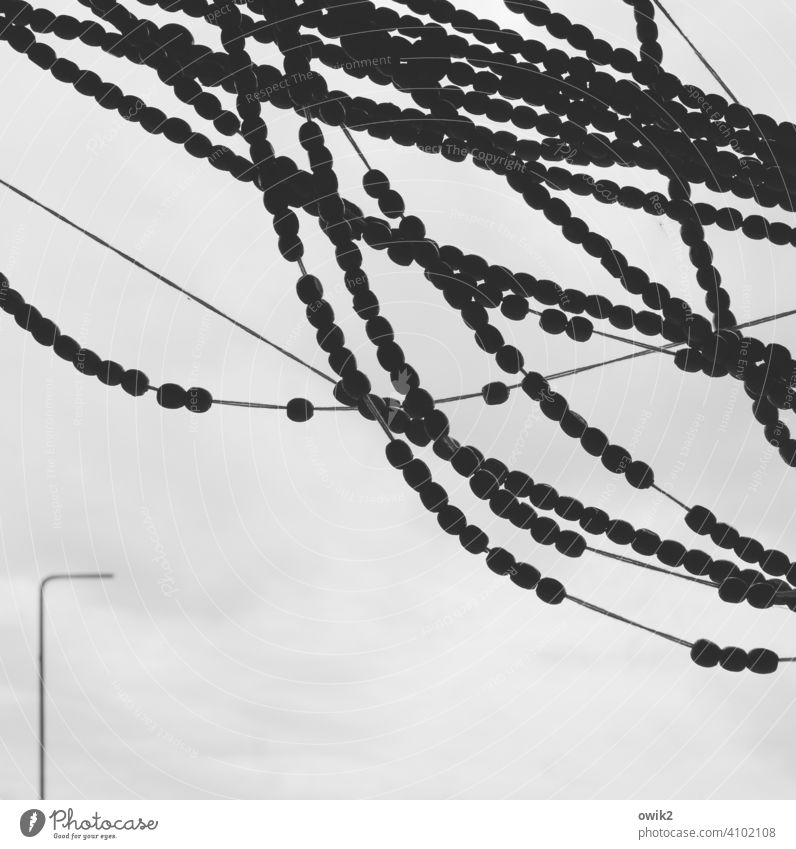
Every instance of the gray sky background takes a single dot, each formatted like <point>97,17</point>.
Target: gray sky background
<point>321,637</point>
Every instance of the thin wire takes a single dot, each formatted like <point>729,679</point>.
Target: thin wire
<point>619,618</point>
<point>650,566</point>
<point>696,50</point>
<point>355,146</point>
<point>166,280</point>
<point>671,497</point>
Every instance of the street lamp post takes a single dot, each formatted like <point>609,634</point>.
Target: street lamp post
<point>42,585</point>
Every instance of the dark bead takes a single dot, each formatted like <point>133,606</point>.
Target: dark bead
<point>309,289</point>
<point>620,532</point>
<point>66,348</point>
<point>762,661</point>
<point>553,321</point>
<point>569,508</point>
<point>502,503</point>
<point>134,382</point>
<point>544,496</point>
<point>697,562</point>
<point>473,539</point>
<point>110,373</point>
<point>733,590</point>
<point>87,362</point>
<point>724,536</point>
<point>171,396</point>
<point>700,520</point>
<point>705,653</point>
<point>671,553</point>
<point>749,550</point>
<point>761,595</point>
<point>495,393</point>
<point>399,453</point>
<point>774,562</point>
<point>199,400</point>
<point>615,459</point>
<point>451,520</point>
<point>594,520</point>
<point>418,403</point>
<point>416,473</point>
<point>545,530</point>
<point>579,329</point>
<point>720,570</point>
<point>433,496</point>
<point>376,183</point>
<point>570,543</point>
<point>594,441</point>
<point>500,561</point>
<point>733,659</point>
<point>509,359</point>
<point>45,332</point>
<point>466,460</point>
<point>645,542</point>
<point>639,475</point>
<point>573,424</point>
<point>299,410</point>
<point>535,386</point>
<point>525,576</point>
<point>550,591</point>
<point>356,384</point>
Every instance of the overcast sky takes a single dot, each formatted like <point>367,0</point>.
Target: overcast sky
<point>286,620</point>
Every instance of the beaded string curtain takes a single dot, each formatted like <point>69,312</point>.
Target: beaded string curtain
<point>588,104</point>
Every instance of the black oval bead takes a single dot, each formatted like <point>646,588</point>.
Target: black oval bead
<point>110,373</point>
<point>500,561</point>
<point>473,539</point>
<point>570,543</point>
<point>733,659</point>
<point>550,591</point>
<point>495,393</point>
<point>172,396</point>
<point>705,653</point>
<point>700,520</point>
<point>620,532</point>
<point>525,576</point>
<point>733,590</point>
<point>594,441</point>
<point>298,409</point>
<point>762,661</point>
<point>66,348</point>
<point>134,382</point>
<point>451,520</point>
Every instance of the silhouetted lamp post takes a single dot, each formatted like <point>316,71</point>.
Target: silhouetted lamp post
<point>42,585</point>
